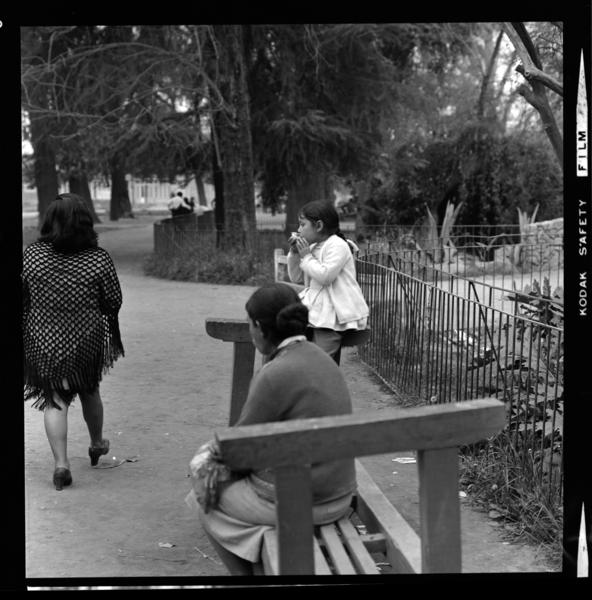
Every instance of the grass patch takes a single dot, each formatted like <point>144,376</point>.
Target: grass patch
<point>515,490</point>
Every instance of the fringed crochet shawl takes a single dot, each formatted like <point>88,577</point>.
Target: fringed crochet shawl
<point>71,332</point>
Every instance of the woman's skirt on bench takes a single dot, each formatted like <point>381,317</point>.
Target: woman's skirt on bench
<point>243,516</point>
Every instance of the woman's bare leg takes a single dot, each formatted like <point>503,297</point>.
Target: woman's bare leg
<point>56,429</point>
<point>92,411</point>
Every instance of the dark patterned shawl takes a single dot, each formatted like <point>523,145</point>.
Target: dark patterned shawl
<point>70,321</point>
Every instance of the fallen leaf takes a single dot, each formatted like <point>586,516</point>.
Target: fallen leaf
<point>165,545</point>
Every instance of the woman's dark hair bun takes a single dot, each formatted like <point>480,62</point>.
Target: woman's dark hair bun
<point>292,320</point>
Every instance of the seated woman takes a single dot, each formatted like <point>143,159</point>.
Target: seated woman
<point>297,381</point>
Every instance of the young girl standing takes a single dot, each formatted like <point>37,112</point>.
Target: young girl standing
<point>321,258</point>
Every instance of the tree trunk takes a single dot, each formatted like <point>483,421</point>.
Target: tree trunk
<point>78,184</point>
<point>46,177</point>
<point>218,189</point>
<point>481,103</point>
<point>119,206</point>
<point>235,142</point>
<point>362,194</point>
<point>537,97</point>
<point>310,186</point>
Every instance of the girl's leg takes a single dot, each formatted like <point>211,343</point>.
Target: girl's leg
<point>56,429</point>
<point>92,411</point>
<point>329,340</point>
<point>235,564</point>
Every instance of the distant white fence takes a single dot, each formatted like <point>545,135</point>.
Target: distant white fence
<point>148,191</point>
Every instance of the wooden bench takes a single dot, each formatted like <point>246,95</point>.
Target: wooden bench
<point>374,531</point>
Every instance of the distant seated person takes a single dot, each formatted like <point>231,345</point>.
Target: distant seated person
<point>179,205</point>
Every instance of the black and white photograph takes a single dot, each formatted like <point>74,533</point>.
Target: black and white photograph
<point>299,303</point>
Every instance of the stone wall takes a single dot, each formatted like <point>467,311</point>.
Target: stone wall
<point>543,244</point>
<point>541,248</point>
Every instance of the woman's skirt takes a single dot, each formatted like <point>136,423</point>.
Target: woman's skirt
<point>243,516</point>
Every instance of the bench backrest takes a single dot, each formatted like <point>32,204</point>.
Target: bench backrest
<point>435,432</point>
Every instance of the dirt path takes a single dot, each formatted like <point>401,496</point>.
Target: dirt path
<point>162,400</point>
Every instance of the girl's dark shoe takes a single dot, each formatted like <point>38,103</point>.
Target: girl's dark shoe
<point>96,451</point>
<point>61,478</point>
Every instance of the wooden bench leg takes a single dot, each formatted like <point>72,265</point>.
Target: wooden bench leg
<point>439,509</point>
<point>242,372</point>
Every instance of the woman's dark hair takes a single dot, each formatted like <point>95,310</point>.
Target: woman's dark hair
<point>68,224</point>
<point>321,210</point>
<point>279,311</point>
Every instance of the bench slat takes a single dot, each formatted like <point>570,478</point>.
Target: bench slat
<point>321,566</point>
<point>269,556</point>
<point>403,546</point>
<point>360,556</point>
<point>337,552</point>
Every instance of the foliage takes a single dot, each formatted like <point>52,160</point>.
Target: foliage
<point>438,244</point>
<point>115,90</point>
<point>492,174</point>
<point>508,483</point>
<point>224,267</point>
<point>325,96</point>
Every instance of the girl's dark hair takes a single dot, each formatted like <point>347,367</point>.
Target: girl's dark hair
<point>68,224</point>
<point>279,311</point>
<point>321,210</point>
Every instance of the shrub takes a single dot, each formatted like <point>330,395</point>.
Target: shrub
<point>212,266</point>
<point>514,488</point>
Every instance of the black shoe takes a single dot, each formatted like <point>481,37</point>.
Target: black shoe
<point>96,451</point>
<point>61,478</point>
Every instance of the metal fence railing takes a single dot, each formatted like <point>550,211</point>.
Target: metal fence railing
<point>435,345</point>
<point>500,284</point>
<point>459,235</point>
<point>510,267</point>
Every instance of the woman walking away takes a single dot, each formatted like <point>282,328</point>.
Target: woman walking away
<point>321,258</point>
<point>71,297</point>
<point>298,381</point>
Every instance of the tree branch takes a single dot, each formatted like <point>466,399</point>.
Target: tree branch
<point>531,67</point>
<point>520,29</point>
<point>538,75</point>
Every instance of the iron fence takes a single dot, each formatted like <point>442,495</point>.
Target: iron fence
<point>435,345</point>
<point>496,283</point>
<point>460,235</point>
